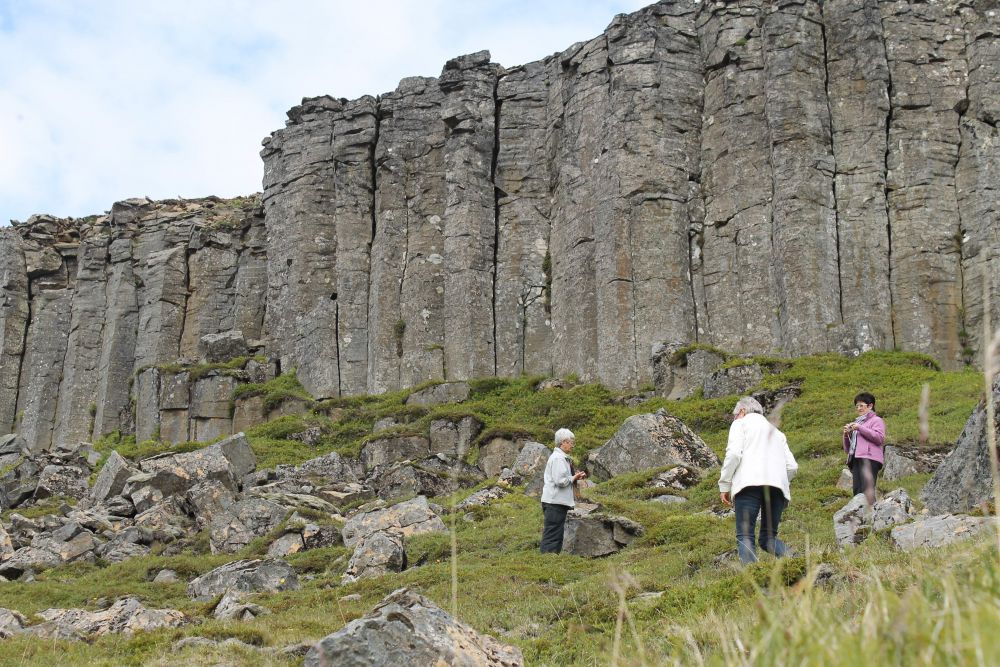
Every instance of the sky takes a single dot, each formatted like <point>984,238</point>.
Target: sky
<point>103,100</point>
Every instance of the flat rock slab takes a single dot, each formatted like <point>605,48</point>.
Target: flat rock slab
<point>408,629</point>
<point>650,441</point>
<point>245,576</point>
<point>413,517</point>
<point>125,616</point>
<point>936,531</point>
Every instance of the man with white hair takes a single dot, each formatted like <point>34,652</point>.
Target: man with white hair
<point>557,493</point>
<point>755,475</point>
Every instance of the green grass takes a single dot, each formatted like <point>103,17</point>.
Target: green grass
<point>884,607</point>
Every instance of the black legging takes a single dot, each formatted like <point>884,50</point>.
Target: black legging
<point>552,532</point>
<point>864,474</point>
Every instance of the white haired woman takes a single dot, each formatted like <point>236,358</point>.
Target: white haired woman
<point>557,493</point>
<point>755,477</point>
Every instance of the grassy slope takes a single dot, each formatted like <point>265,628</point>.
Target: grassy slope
<point>928,608</point>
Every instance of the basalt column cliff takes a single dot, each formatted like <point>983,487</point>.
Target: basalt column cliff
<point>767,177</point>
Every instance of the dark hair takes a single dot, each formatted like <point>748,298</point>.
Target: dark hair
<point>866,398</point>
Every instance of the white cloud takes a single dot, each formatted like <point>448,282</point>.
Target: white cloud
<point>105,100</point>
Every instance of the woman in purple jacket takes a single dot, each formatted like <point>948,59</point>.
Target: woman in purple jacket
<point>863,440</point>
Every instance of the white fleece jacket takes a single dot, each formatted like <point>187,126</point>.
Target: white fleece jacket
<point>757,454</point>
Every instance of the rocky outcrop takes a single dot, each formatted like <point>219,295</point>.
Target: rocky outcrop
<point>650,441</point>
<point>407,628</point>
<point>854,522</point>
<point>936,531</point>
<point>244,576</point>
<point>745,176</point>
<point>965,479</point>
<point>126,616</point>
<point>413,517</point>
<point>594,534</point>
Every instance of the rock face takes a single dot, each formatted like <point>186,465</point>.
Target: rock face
<point>964,479</point>
<point>740,175</point>
<point>650,441</point>
<point>407,628</point>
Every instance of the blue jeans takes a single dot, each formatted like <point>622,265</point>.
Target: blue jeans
<point>769,502</point>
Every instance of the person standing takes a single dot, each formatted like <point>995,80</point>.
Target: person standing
<point>755,478</point>
<point>557,492</point>
<point>864,439</point>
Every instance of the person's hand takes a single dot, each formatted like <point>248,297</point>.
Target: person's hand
<point>580,475</point>
<point>725,498</point>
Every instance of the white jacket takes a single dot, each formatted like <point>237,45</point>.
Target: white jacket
<point>757,454</point>
<point>558,489</point>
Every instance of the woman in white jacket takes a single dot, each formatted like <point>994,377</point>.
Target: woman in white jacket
<point>755,476</point>
<point>557,492</point>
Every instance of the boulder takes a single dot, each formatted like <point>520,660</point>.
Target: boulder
<point>165,519</point>
<point>6,546</point>
<point>111,480</point>
<point>11,622</point>
<point>390,449</point>
<point>668,499</point>
<point>482,497</point>
<point>28,558</point>
<point>125,616</point>
<point>594,534</point>
<point>436,475</point>
<point>227,461</point>
<point>650,441</point>
<point>166,577</point>
<point>215,348</point>
<point>445,392</point>
<point>936,531</point>
<point>413,517</point>
<point>408,629</point>
<point>232,607</point>
<point>12,443</point>
<point>375,555</point>
<point>289,543</point>
<point>898,464</point>
<point>454,437</point>
<point>234,528</point>
<point>846,480</point>
<point>678,378</point>
<point>117,551</point>
<point>732,381</point>
<point>497,454</point>
<point>678,477</point>
<point>206,500</point>
<point>964,479</point>
<point>246,576</point>
<point>119,506</point>
<point>851,527</point>
<point>66,481</point>
<point>528,468</point>
<point>895,508</point>
<point>316,537</point>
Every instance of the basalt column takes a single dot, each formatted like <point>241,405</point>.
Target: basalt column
<point>13,322</point>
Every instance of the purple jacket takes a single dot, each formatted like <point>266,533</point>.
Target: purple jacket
<point>871,436</point>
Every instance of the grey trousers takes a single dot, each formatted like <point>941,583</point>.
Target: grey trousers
<point>552,531</point>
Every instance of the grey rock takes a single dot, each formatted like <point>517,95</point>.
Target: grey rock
<point>497,454</point>
<point>668,499</point>
<point>119,506</point>
<point>117,551</point>
<point>12,443</point>
<point>849,522</point>
<point>454,437</point>
<point>854,522</point>
<point>375,555</point>
<point>206,500</point>
<point>11,622</point>
<point>287,544</point>
<point>6,546</point>
<point>66,481</point>
<point>232,607</point>
<point>894,508</point>
<point>14,313</point>
<point>482,498</point>
<point>233,529</point>
<point>166,576</point>
<point>126,616</point>
<point>846,480</point>
<point>382,451</point>
<point>407,628</point>
<point>413,517</point>
<point>528,468</point>
<point>898,465</point>
<point>111,480</point>
<point>936,531</point>
<point>215,348</point>
<point>648,441</point>
<point>594,534</point>
<point>678,477</point>
<point>445,392</point>
<point>226,461</point>
<point>432,476</point>
<point>732,381</point>
<point>964,479</point>
<point>244,576</point>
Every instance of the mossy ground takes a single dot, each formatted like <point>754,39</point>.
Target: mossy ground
<point>885,607</point>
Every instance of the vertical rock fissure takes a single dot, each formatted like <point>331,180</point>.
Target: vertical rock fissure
<point>15,426</point>
<point>774,283</point>
<point>374,230</point>
<point>963,334</point>
<point>187,292</point>
<point>60,393</point>
<point>833,176</point>
<point>694,296</point>
<point>888,208</point>
<point>496,221</point>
